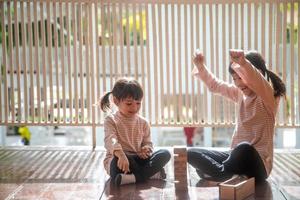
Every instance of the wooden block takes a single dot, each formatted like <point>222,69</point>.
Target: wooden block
<point>181,188</point>
<point>180,169</point>
<point>237,188</point>
<point>181,182</point>
<point>179,150</point>
<point>179,158</point>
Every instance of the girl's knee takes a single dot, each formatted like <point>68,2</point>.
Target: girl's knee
<point>192,155</point>
<point>165,155</point>
<point>244,147</point>
<point>241,151</point>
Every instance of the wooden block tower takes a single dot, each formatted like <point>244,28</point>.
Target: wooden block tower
<point>180,168</point>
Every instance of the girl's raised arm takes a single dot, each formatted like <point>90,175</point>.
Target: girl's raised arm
<point>213,83</point>
<point>253,78</point>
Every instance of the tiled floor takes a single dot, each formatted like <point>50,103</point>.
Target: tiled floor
<point>77,173</point>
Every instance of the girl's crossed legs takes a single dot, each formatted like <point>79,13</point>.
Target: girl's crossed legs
<point>221,165</point>
<point>142,169</point>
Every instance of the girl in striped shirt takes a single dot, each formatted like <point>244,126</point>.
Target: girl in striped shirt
<point>251,152</point>
<point>130,157</point>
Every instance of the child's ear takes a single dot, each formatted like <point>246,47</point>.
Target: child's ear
<point>116,101</point>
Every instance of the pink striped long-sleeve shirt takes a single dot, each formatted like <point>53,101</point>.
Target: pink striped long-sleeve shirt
<point>256,115</point>
<point>129,134</point>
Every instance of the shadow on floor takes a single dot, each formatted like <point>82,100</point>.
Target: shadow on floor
<point>151,189</point>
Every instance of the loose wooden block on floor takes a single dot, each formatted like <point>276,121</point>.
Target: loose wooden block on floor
<point>237,188</point>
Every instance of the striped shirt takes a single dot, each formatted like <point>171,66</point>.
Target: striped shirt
<point>256,114</point>
<point>129,134</point>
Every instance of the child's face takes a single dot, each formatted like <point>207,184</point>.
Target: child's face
<point>238,82</point>
<point>129,107</point>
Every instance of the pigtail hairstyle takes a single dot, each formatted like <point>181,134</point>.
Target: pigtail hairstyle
<point>278,85</point>
<point>257,61</point>
<point>104,102</point>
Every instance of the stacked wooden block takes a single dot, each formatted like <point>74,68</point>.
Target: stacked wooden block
<point>180,168</point>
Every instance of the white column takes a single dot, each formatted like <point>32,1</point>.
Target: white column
<point>279,138</point>
<point>207,136</point>
<point>297,138</point>
<point>2,135</point>
<point>100,136</point>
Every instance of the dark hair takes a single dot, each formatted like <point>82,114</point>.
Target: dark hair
<point>122,89</point>
<point>259,63</point>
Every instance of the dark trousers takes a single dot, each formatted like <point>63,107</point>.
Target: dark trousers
<point>219,166</point>
<point>143,169</point>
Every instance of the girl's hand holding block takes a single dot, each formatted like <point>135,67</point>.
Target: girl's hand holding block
<point>198,59</point>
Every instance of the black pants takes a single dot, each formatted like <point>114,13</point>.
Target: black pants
<point>219,166</point>
<point>143,169</point>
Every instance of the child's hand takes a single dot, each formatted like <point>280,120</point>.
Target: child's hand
<point>123,163</point>
<point>237,56</point>
<point>198,59</point>
<point>145,152</point>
